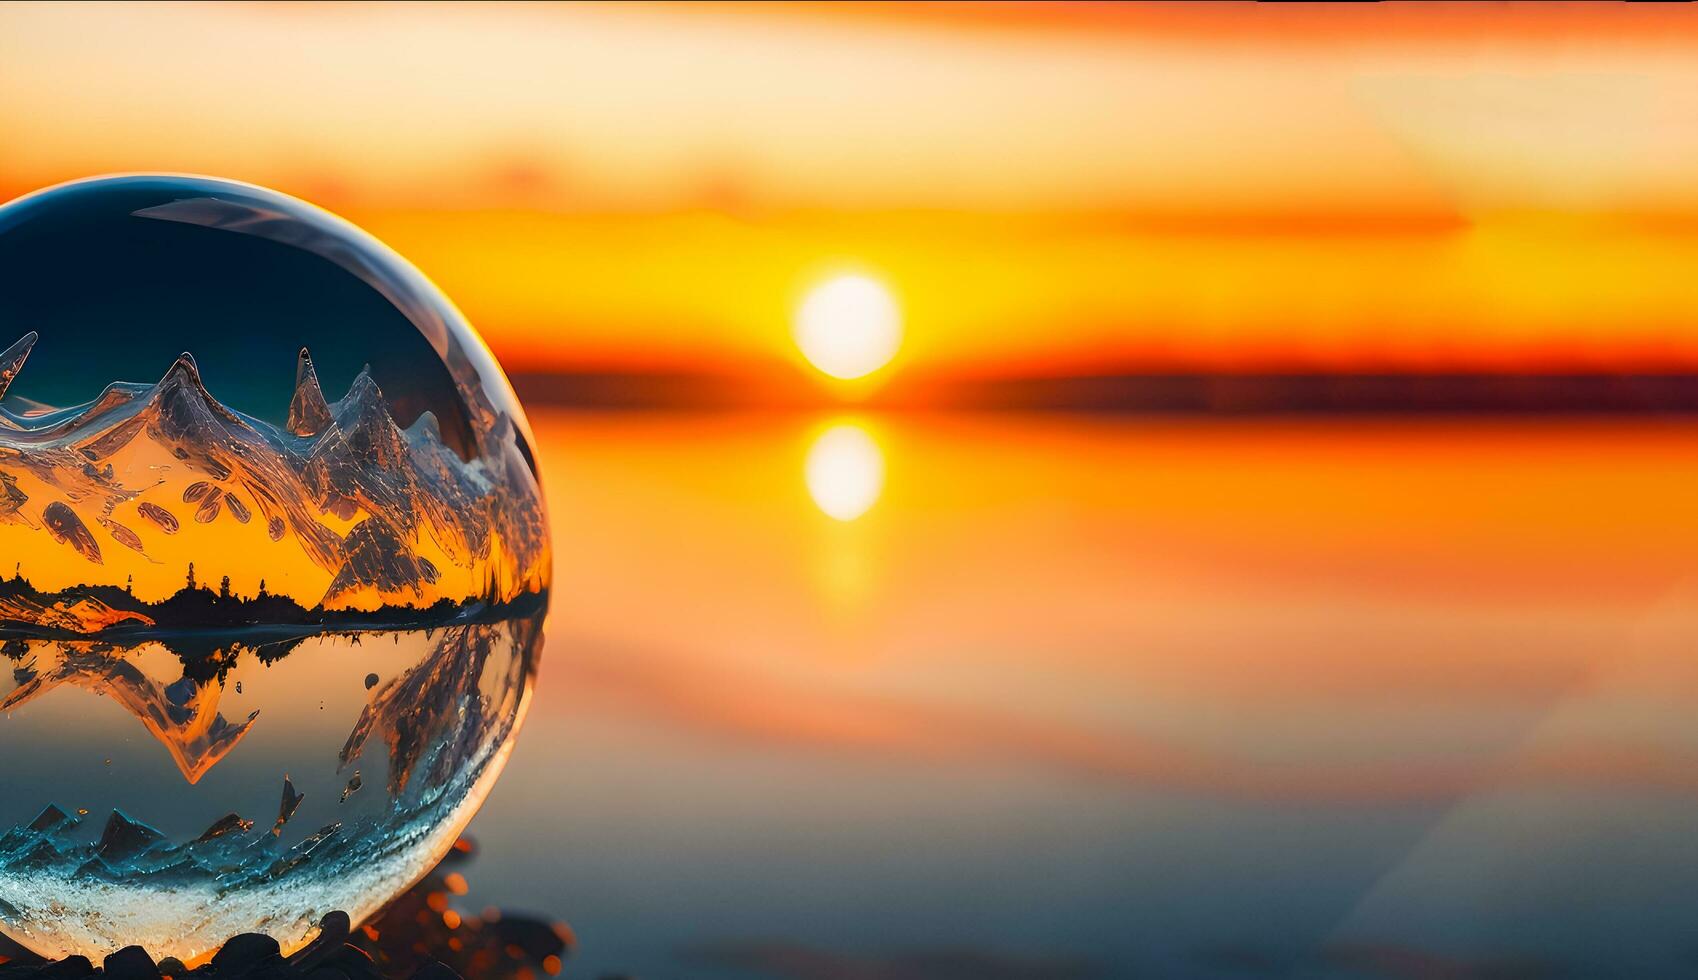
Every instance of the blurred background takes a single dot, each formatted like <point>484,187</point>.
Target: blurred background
<point>1041,490</point>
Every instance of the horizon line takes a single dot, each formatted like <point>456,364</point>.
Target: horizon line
<point>1307,392</point>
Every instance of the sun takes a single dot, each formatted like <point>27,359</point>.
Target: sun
<point>849,326</point>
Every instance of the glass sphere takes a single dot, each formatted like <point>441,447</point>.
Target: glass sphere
<point>276,562</point>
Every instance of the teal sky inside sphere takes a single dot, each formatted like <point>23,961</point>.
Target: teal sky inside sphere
<point>121,275</point>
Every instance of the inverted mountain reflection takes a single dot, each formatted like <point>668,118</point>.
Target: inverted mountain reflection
<point>266,789</point>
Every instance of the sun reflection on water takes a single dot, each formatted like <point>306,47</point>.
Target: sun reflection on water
<point>845,471</point>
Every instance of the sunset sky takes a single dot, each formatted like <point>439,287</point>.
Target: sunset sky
<point>1342,623</point>
<point>1045,190</point>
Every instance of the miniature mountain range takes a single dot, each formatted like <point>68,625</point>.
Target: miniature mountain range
<point>382,513</point>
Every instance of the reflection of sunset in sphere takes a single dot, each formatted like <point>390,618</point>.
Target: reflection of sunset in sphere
<point>849,327</point>
<point>276,560</point>
<point>845,472</point>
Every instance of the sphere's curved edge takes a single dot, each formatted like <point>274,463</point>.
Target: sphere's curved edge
<point>443,324</point>
<point>490,495</point>
<point>277,588</point>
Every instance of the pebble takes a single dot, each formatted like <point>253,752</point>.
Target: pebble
<point>244,953</point>
<point>131,963</point>
<point>68,968</point>
<point>332,936</point>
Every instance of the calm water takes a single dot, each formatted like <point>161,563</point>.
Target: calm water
<point>1096,698</point>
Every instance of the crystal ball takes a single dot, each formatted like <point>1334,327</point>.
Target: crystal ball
<point>273,567</point>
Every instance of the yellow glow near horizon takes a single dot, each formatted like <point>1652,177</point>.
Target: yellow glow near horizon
<point>1142,195</point>
<point>845,471</point>
<point>849,326</point>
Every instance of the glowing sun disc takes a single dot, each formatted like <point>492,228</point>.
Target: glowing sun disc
<point>849,326</point>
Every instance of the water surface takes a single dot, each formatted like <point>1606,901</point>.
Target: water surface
<point>1075,697</point>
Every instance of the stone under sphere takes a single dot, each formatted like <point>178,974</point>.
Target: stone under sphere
<point>273,567</point>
